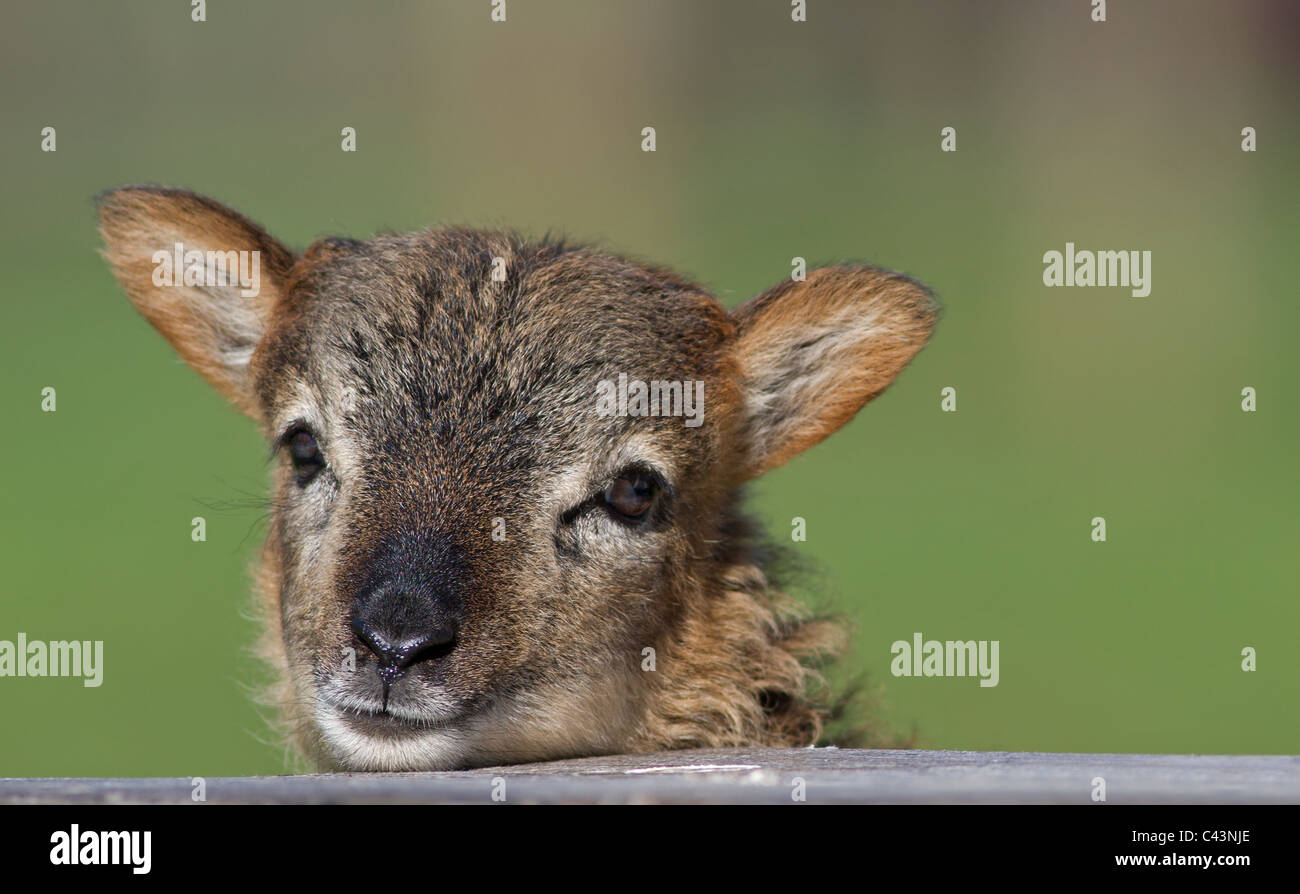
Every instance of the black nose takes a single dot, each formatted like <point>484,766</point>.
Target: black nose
<point>410,608</point>
<point>398,652</point>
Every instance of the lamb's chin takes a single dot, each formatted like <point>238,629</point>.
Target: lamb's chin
<point>386,744</point>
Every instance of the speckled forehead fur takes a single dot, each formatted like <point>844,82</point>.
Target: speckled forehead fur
<point>414,342</point>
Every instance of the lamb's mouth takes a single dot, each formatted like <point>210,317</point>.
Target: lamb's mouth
<point>380,722</point>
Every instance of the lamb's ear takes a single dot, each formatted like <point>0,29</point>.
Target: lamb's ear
<point>215,316</point>
<point>812,353</point>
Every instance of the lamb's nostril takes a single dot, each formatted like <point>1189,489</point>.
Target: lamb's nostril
<point>396,654</point>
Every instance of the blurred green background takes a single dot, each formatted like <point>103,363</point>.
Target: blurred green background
<point>775,139</point>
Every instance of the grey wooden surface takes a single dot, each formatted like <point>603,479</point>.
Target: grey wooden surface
<point>739,776</point>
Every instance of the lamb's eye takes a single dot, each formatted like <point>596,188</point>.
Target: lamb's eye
<point>305,455</point>
<point>631,494</point>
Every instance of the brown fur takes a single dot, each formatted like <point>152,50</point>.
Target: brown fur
<point>447,404</point>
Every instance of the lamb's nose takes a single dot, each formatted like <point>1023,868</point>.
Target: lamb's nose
<point>410,607</point>
<point>397,653</point>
